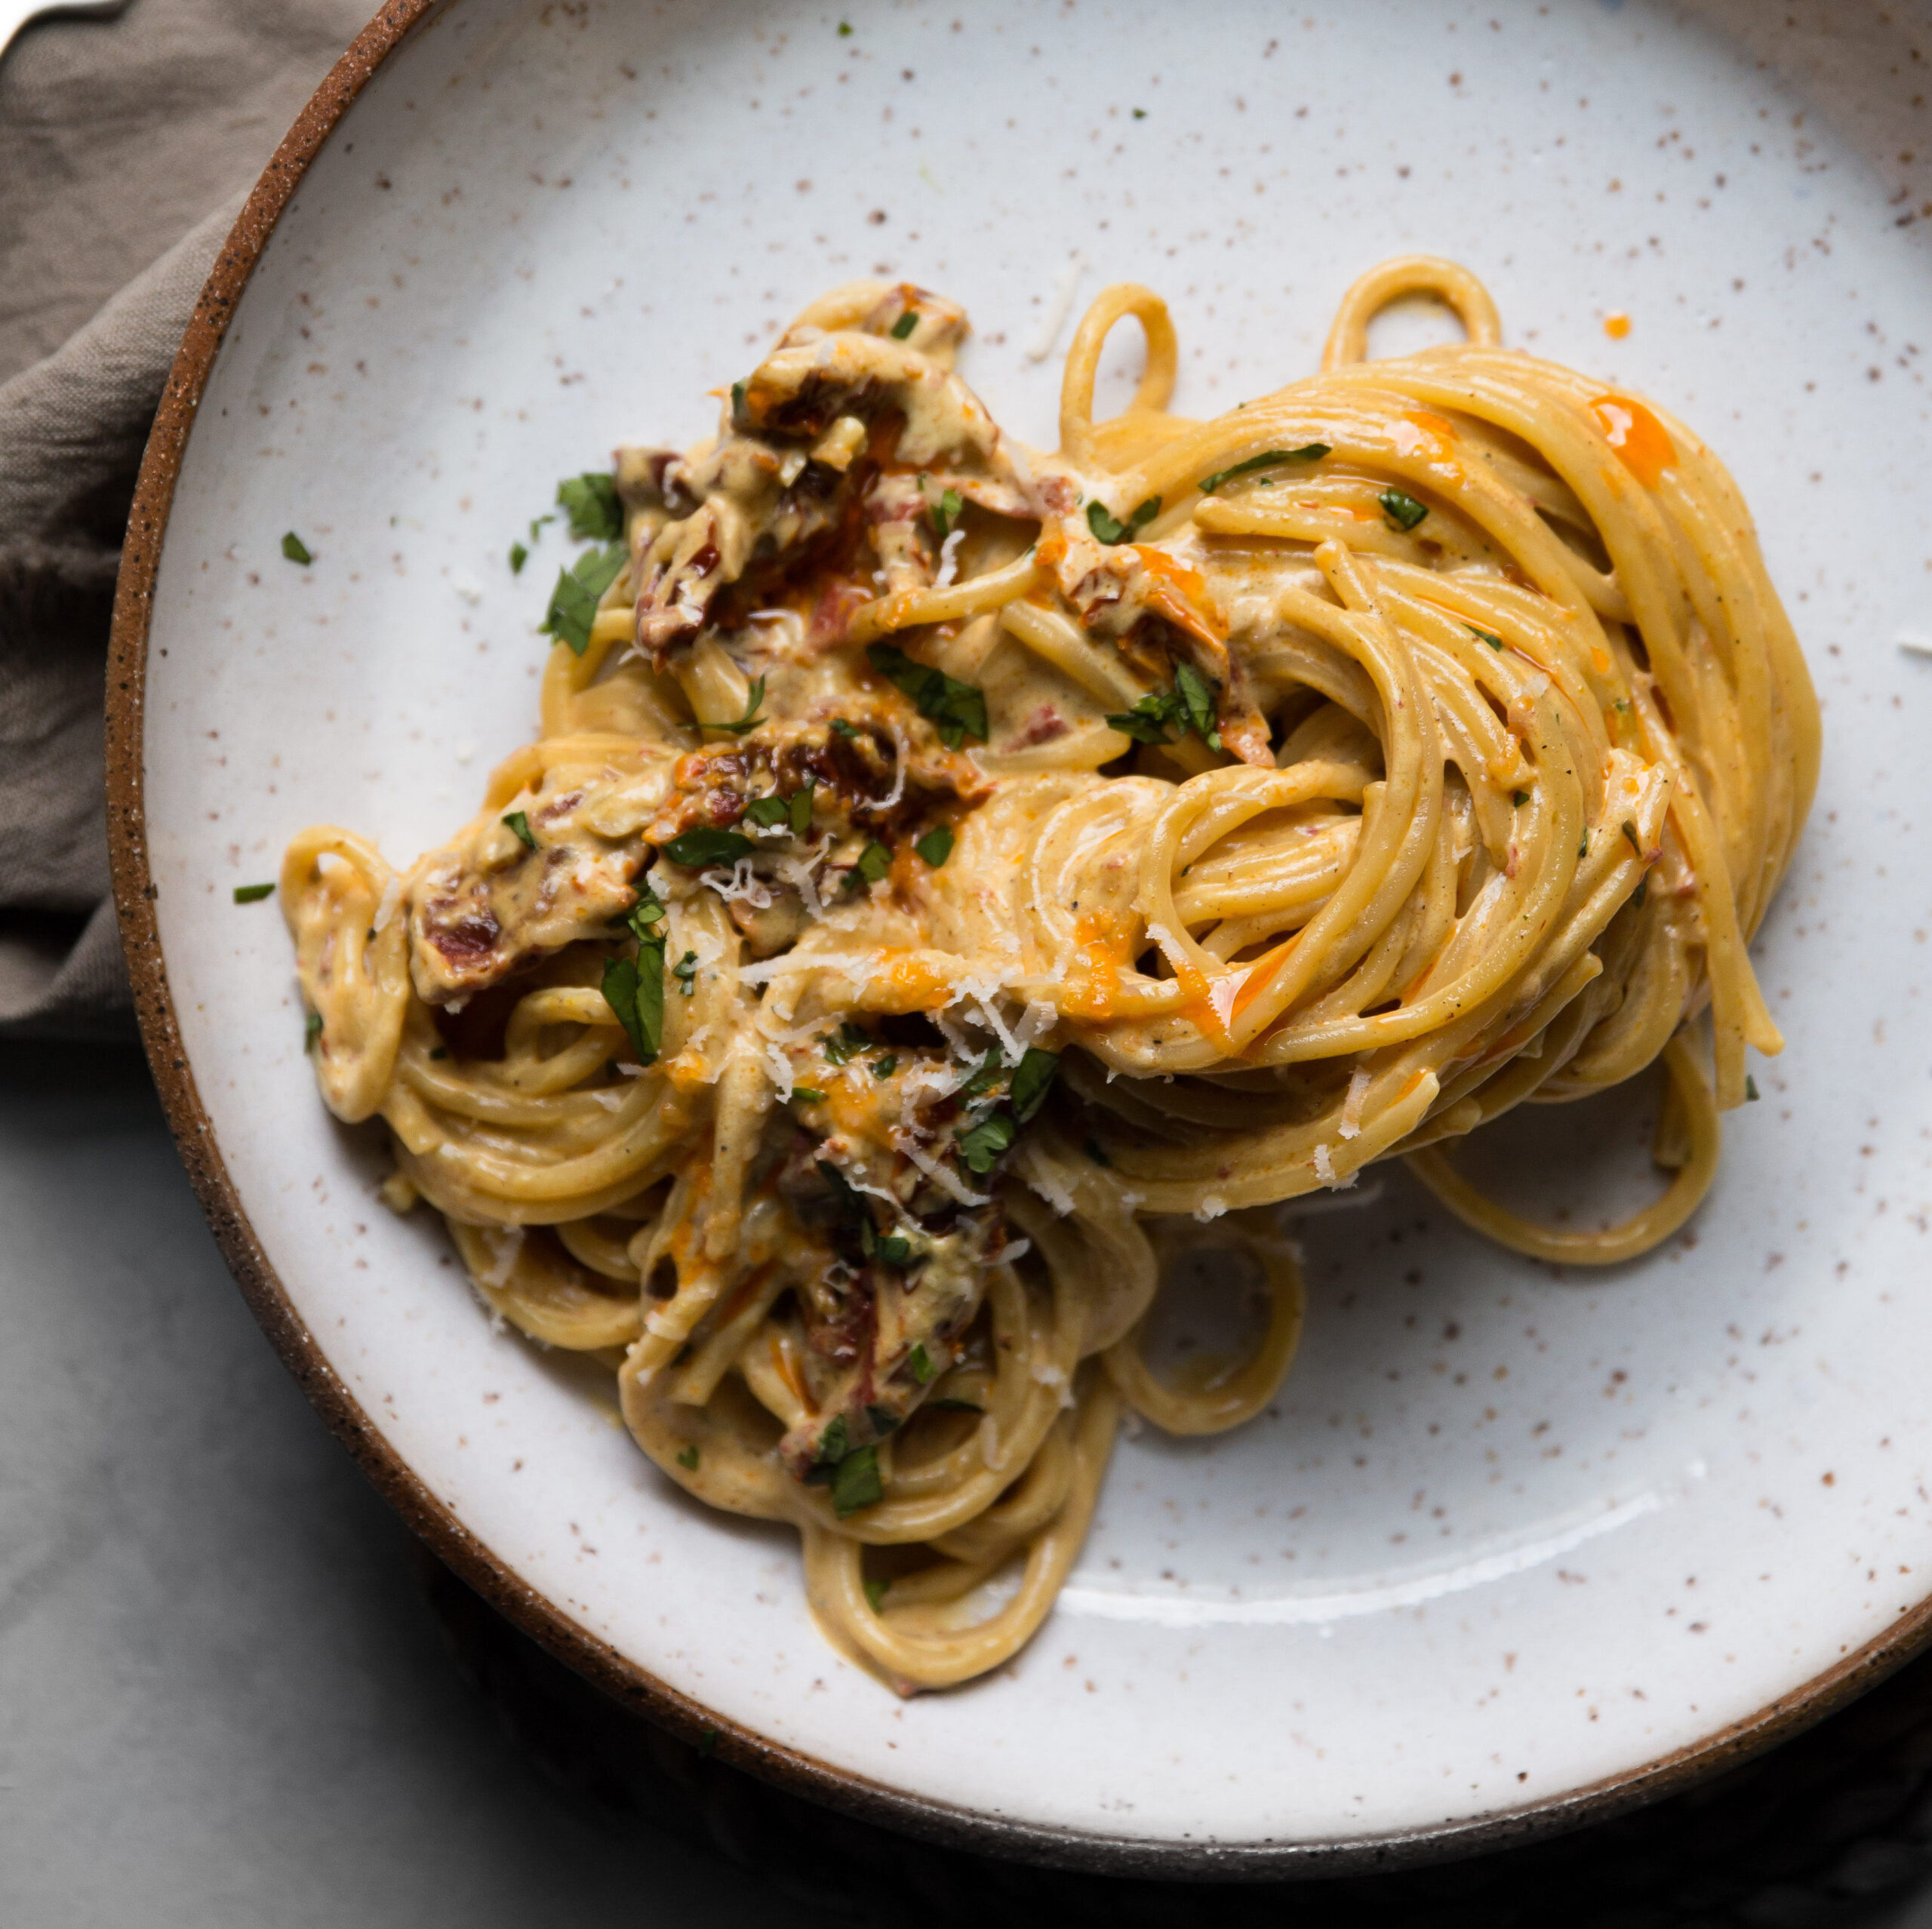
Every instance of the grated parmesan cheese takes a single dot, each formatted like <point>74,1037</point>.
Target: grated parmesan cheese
<point>1212,1207</point>
<point>1352,1106</point>
<point>392,897</point>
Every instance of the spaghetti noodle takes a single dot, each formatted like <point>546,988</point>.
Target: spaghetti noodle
<point>944,869</point>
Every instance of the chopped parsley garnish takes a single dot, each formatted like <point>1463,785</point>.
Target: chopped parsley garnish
<point>1094,1151</point>
<point>1583,849</point>
<point>1495,642</point>
<point>634,992</point>
<point>252,893</point>
<point>573,602</point>
<point>519,556</point>
<point>846,1042</point>
<point>295,550</point>
<point>844,29</point>
<point>708,844</point>
<point>798,806</point>
<point>590,501</point>
<point>1190,705</point>
<point>685,972</point>
<point>957,710</point>
<point>884,1068</point>
<point>1751,1088</point>
<point>874,862</point>
<point>1630,832</point>
<point>856,1482</point>
<point>740,420</point>
<point>1208,485</point>
<point>1403,512</point>
<point>945,513</point>
<point>1140,113</point>
<point>311,1029</point>
<point>1107,529</point>
<point>840,728</point>
<point>809,1094</point>
<point>536,523</point>
<point>750,720</point>
<point>983,1144</point>
<point>905,324</point>
<point>688,1458</point>
<point>936,847</point>
<point>921,1361</point>
<point>894,1247</point>
<point>1519,797</point>
<point>1031,1081</point>
<point>875,1594</point>
<point>992,1068</point>
<point>768,813</point>
<point>519,822</point>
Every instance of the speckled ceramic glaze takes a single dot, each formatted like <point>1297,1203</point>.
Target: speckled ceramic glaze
<point>1513,1545</point>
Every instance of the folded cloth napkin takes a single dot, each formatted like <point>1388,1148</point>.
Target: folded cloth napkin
<point>114,139</point>
<point>71,431</point>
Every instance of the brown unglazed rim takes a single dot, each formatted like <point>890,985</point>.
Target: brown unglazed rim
<point>618,1676</point>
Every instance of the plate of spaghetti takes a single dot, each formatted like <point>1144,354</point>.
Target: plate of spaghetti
<point>1076,966</point>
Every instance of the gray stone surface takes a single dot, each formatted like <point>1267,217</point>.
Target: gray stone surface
<point>222,1699</point>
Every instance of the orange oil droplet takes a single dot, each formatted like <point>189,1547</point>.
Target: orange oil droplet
<point>1637,436</point>
<point>1617,325</point>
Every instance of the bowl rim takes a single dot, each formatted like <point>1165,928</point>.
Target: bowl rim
<point>625,1680</point>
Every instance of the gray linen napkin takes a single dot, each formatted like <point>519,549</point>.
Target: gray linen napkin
<point>115,140</point>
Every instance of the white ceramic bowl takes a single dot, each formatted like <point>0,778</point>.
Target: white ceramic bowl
<point>1512,1547</point>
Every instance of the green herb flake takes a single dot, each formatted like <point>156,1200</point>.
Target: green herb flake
<point>1630,832</point>
<point>253,893</point>
<point>884,1068</point>
<point>708,844</point>
<point>685,972</point>
<point>688,1458</point>
<point>536,523</point>
<point>992,1069</point>
<point>1032,1079</point>
<point>856,1482</point>
<point>738,419</point>
<point>945,513</point>
<point>750,720</point>
<point>634,992</point>
<point>844,29</point>
<point>295,550</point>
<point>519,822</point>
<point>1197,696</point>
<point>1211,485</point>
<point>1140,113</point>
<point>894,1248</point>
<point>840,727</point>
<point>874,862</point>
<point>905,324</point>
<point>519,556</point>
<point>1494,641</point>
<point>921,1362</point>
<point>768,813</point>
<point>1583,849</point>
<point>590,501</point>
<point>984,1143</point>
<point>1403,512</point>
<point>808,1095</point>
<point>1751,1091</point>
<point>1519,796</point>
<point>875,1594</point>
<point>936,847</point>
<point>799,807</point>
<point>644,913</point>
<point>573,607</point>
<point>957,710</point>
<point>1107,529</point>
<point>311,1029</point>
